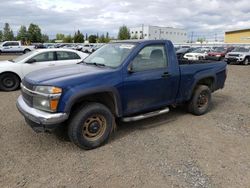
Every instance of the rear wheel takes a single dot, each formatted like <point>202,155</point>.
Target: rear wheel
<point>9,82</point>
<point>26,51</point>
<point>201,100</point>
<point>91,126</point>
<point>246,61</point>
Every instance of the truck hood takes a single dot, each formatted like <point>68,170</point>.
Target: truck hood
<point>194,54</point>
<point>237,53</point>
<point>59,75</point>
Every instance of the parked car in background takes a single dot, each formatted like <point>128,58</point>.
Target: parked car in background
<point>70,46</point>
<point>87,48</point>
<point>238,55</point>
<point>14,47</point>
<point>219,53</point>
<point>182,51</point>
<point>95,47</point>
<point>40,46</point>
<point>13,71</point>
<point>124,80</point>
<point>197,54</point>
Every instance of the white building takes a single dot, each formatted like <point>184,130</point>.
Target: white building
<point>154,33</point>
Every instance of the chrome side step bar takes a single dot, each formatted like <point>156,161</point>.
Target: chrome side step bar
<point>147,115</point>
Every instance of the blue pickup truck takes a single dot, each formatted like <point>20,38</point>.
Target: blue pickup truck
<point>128,80</point>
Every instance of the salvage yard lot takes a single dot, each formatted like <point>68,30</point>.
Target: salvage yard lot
<point>173,150</point>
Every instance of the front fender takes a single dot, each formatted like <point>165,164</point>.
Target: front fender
<point>72,96</point>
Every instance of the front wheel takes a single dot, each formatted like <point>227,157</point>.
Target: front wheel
<point>91,126</point>
<point>9,82</point>
<point>200,101</point>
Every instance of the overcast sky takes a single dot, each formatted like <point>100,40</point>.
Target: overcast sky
<point>64,16</point>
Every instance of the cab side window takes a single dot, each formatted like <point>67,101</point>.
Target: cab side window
<point>7,44</point>
<point>14,44</point>
<point>149,58</point>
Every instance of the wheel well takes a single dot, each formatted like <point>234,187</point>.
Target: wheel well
<point>209,81</point>
<point>9,72</point>
<point>105,98</point>
<point>26,49</point>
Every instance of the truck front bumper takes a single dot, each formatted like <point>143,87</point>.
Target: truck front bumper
<point>40,121</point>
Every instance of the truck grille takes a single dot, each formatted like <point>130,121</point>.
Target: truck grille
<point>233,55</point>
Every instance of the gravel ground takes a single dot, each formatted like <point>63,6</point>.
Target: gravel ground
<point>173,150</point>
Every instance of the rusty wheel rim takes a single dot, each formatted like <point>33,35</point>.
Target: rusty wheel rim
<point>202,99</point>
<point>94,127</point>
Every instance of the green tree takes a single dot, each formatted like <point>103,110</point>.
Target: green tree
<point>1,35</point>
<point>92,38</point>
<point>201,40</point>
<point>60,36</point>
<point>68,39</point>
<point>7,33</point>
<point>123,33</point>
<point>102,39</point>
<point>78,37</point>
<point>45,38</point>
<point>107,39</point>
<point>22,34</point>
<point>34,33</point>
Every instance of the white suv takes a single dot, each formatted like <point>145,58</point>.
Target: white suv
<point>239,55</point>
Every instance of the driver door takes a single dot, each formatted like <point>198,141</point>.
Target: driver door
<point>39,61</point>
<point>148,84</point>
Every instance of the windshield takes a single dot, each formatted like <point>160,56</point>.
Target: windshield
<point>110,55</point>
<point>219,49</point>
<point>22,57</point>
<point>240,49</point>
<point>200,50</point>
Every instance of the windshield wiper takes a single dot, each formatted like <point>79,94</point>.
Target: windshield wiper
<point>96,64</point>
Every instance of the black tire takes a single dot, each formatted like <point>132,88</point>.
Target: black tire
<point>26,51</point>
<point>9,82</point>
<point>91,126</point>
<point>246,61</point>
<point>200,101</point>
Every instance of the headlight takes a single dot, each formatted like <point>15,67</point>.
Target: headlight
<point>47,98</point>
<point>48,89</point>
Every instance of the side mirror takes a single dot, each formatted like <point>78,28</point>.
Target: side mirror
<point>130,68</point>
<point>31,61</point>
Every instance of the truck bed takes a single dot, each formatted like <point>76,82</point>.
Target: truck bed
<point>185,61</point>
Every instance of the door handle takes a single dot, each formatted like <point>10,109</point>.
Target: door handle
<point>165,75</point>
<point>51,64</point>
